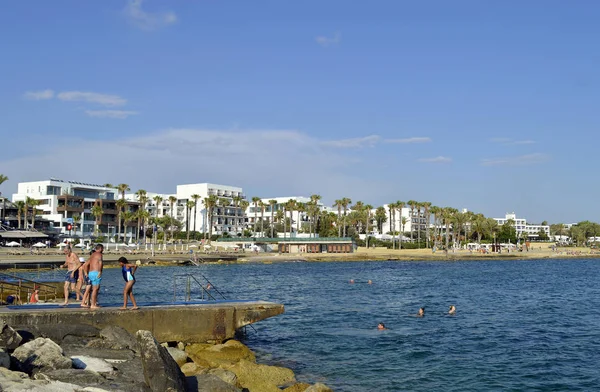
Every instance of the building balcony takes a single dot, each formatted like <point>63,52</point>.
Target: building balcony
<point>68,208</point>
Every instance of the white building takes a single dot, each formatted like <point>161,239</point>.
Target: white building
<point>227,217</point>
<point>70,202</point>
<point>300,216</point>
<point>521,226</point>
<point>414,222</point>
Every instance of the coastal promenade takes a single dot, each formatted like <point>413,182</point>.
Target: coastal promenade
<point>188,322</point>
<point>538,251</point>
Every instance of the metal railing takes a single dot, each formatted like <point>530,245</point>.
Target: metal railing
<point>191,282</point>
<point>10,283</point>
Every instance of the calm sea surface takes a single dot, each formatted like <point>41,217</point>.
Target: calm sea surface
<point>520,325</point>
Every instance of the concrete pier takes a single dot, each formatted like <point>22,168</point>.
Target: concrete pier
<point>190,322</point>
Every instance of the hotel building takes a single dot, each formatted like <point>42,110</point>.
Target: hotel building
<point>70,202</point>
<point>521,226</point>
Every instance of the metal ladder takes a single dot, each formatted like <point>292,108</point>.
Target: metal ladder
<point>10,284</point>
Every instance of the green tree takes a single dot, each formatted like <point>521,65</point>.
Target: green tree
<point>508,232</point>
<point>172,202</point>
<point>255,201</point>
<point>121,205</point>
<point>3,179</point>
<point>380,218</point>
<point>197,197</point>
<point>189,205</point>
<point>20,210</point>
<point>97,212</point>
<point>338,204</point>
<point>272,203</point>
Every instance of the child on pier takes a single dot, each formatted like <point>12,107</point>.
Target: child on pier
<point>128,270</point>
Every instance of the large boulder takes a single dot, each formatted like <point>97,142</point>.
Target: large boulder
<point>40,353</point>
<point>161,372</point>
<point>261,378</point>
<point>179,356</point>
<point>71,376</point>
<point>119,336</point>
<point>9,338</point>
<point>209,383</point>
<point>4,359</point>
<point>58,332</point>
<point>216,355</point>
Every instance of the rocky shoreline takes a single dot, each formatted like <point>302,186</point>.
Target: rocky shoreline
<point>74,358</point>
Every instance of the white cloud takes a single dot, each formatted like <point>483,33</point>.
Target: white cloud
<point>509,141</point>
<point>367,141</point>
<point>101,99</point>
<point>39,95</point>
<point>439,159</point>
<point>409,140</point>
<point>161,160</point>
<point>146,20</point>
<point>120,114</point>
<point>329,41</point>
<point>528,159</point>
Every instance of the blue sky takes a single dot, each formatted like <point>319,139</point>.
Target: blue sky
<point>489,106</point>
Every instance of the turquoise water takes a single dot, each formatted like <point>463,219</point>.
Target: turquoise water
<point>520,325</point>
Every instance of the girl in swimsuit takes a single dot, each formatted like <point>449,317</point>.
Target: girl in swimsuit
<point>128,271</point>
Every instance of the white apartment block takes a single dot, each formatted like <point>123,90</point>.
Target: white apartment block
<point>61,202</point>
<point>412,222</point>
<point>300,219</point>
<point>521,226</point>
<point>226,217</point>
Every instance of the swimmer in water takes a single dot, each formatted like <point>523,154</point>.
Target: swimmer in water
<point>369,282</point>
<point>381,326</point>
<point>452,310</point>
<point>421,312</point>
<point>351,280</point>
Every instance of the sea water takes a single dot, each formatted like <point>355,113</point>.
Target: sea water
<point>520,325</point>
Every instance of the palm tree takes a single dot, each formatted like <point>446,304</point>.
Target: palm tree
<point>144,217</point>
<point>399,206</point>
<point>210,203</point>
<point>436,211</point>
<point>272,203</point>
<point>243,207</point>
<point>122,188</point>
<point>28,201</point>
<point>403,222</point>
<point>195,197</point>
<point>121,204</point>
<point>262,217</point>
<point>189,205</point>
<point>392,212</point>
<point>158,201</point>
<point>255,201</point>
<point>3,179</point>
<point>426,211</point>
<point>380,218</point>
<point>172,201</point>
<point>418,208</point>
<point>142,197</point>
<point>300,207</point>
<point>478,226</point>
<point>412,204</point>
<point>34,203</point>
<point>290,207</point>
<point>368,209</point>
<point>20,210</point>
<point>338,204</point>
<point>345,204</point>
<point>76,220</point>
<point>97,211</point>
<point>315,211</point>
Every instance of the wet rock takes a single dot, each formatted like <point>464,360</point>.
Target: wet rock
<point>261,378</point>
<point>91,364</point>
<point>209,383</point>
<point>11,381</point>
<point>9,338</point>
<point>318,387</point>
<point>179,356</point>
<point>161,372</point>
<point>228,353</point>
<point>114,338</point>
<point>4,359</point>
<point>38,354</point>
<point>298,387</point>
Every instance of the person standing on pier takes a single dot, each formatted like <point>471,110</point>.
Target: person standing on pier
<point>72,264</point>
<point>95,275</point>
<point>128,271</point>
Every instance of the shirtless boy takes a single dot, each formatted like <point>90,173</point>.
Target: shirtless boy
<point>72,264</point>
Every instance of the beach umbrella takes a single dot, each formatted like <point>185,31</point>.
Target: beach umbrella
<point>80,245</point>
<point>13,243</point>
<point>61,245</point>
<point>39,245</point>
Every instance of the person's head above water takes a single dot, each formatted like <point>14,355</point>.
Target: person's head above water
<point>452,309</point>
<point>421,312</point>
<point>381,326</point>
